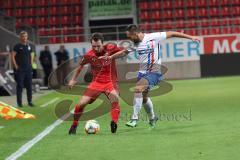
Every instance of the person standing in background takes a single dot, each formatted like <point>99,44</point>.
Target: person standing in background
<point>46,62</point>
<point>62,56</point>
<point>21,57</point>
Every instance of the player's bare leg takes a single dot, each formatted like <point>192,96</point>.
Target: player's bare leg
<point>115,109</point>
<point>141,86</point>
<point>148,106</point>
<point>78,112</point>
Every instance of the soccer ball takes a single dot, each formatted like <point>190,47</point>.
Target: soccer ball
<point>92,127</point>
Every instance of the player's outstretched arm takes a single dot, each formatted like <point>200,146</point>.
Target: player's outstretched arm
<point>73,80</point>
<point>116,55</point>
<point>119,54</point>
<point>182,35</point>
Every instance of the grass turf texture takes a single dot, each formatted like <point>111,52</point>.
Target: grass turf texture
<point>210,131</point>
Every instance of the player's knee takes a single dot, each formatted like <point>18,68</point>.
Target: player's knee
<point>138,89</point>
<point>82,104</point>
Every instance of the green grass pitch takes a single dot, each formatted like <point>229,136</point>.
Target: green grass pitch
<point>199,121</point>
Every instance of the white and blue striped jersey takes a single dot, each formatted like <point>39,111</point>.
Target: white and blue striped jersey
<point>149,52</point>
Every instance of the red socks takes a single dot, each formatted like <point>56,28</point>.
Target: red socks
<point>77,114</point>
<point>115,111</point>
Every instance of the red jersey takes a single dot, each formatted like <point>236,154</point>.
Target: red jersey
<point>103,71</point>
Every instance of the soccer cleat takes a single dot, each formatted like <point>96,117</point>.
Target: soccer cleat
<point>152,122</point>
<point>72,130</point>
<point>113,127</point>
<point>20,105</point>
<point>132,123</point>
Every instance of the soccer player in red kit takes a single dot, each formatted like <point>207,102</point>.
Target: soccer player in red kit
<point>104,80</point>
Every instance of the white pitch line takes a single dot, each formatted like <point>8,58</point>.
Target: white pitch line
<point>50,102</point>
<point>1,127</point>
<point>36,139</point>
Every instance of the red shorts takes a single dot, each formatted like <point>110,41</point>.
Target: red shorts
<point>95,88</point>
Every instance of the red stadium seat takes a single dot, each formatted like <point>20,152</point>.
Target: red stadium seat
<point>30,21</point>
<point>204,22</point>
<point>224,21</point>
<point>202,3</point>
<point>64,1</point>
<point>143,5</point>
<point>235,10</point>
<point>29,3</point>
<point>155,5</point>
<point>144,15</point>
<point>156,15</point>
<point>55,31</point>
<point>167,14</point>
<point>42,11</point>
<point>191,23</point>
<point>180,24</point>
<point>225,2</point>
<point>19,3</point>
<point>53,11</point>
<point>55,21</point>
<point>29,12</point>
<point>42,3</point>
<point>77,20</point>
<point>178,4</point>
<point>214,22</point>
<point>54,40</point>
<point>167,4</point>
<point>225,11</point>
<point>215,30</point>
<point>146,26</point>
<point>226,30</point>
<point>66,20</point>
<point>77,30</point>
<point>167,25</point>
<point>64,10</point>
<point>235,29</point>
<point>235,2</point>
<point>43,32</point>
<point>77,9</point>
<point>202,12</point>
<point>179,13</point>
<point>213,2</point>
<point>190,4</point>
<point>204,31</point>
<point>213,11</point>
<point>19,13</point>
<point>191,32</point>
<point>191,13</point>
<point>157,26</point>
<point>7,4</point>
<point>19,22</point>
<point>42,21</point>
<point>9,12</point>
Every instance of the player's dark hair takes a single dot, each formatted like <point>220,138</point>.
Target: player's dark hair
<point>96,37</point>
<point>133,28</point>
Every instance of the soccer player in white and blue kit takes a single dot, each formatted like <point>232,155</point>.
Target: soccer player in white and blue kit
<point>149,75</point>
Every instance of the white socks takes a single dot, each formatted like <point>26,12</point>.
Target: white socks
<point>138,102</point>
<point>148,106</point>
<point>137,105</point>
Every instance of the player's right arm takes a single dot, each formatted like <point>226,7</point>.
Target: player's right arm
<point>76,73</point>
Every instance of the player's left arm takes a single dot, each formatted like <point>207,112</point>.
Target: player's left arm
<point>170,34</point>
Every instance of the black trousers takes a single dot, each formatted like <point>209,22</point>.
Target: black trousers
<point>47,71</point>
<point>24,79</point>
